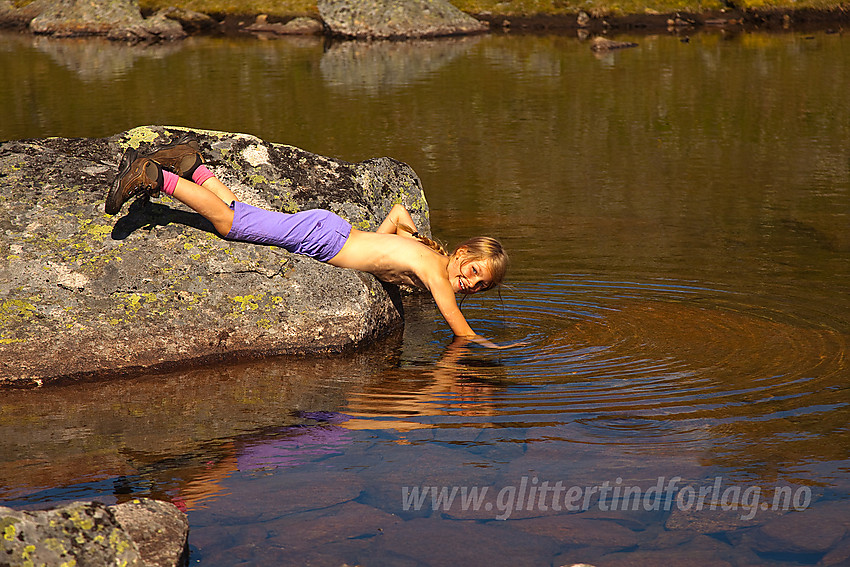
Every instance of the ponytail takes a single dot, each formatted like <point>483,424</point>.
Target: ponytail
<point>432,244</point>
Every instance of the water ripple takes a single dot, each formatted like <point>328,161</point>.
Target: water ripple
<point>658,362</point>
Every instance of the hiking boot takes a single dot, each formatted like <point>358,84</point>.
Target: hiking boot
<point>182,156</point>
<point>136,176</point>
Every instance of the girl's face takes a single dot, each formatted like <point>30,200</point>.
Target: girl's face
<point>468,276</point>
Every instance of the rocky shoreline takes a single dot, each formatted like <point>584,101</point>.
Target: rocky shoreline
<point>122,20</point>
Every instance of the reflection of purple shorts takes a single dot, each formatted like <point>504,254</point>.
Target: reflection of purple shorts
<point>317,233</point>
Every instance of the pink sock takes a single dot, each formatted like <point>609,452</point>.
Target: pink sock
<point>201,174</point>
<point>169,182</point>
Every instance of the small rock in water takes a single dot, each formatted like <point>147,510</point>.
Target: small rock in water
<point>605,44</point>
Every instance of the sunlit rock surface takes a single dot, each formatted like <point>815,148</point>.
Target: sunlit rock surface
<point>384,19</point>
<point>116,19</point>
<point>83,293</point>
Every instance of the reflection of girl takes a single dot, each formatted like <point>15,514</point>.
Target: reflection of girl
<point>296,445</point>
<point>393,253</point>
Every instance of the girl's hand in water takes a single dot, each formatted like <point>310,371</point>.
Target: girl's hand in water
<point>489,344</point>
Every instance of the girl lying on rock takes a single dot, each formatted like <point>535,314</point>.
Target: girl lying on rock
<point>395,253</point>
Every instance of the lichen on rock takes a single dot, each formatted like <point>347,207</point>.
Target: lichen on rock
<point>139,533</point>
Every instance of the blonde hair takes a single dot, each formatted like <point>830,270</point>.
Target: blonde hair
<point>432,244</point>
<point>480,248</point>
<point>488,250</point>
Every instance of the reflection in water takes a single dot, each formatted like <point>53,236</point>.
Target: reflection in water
<point>375,65</point>
<point>621,380</point>
<point>407,398</point>
<point>702,188</point>
<point>96,59</point>
<point>172,424</point>
<point>91,59</point>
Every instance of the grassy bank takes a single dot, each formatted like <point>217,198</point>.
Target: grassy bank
<point>286,8</point>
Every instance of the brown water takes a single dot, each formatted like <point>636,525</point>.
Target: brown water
<point>677,216</point>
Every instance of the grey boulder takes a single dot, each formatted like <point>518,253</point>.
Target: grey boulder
<point>85,294</point>
<point>396,19</point>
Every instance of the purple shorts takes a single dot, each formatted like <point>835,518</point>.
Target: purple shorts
<point>317,233</point>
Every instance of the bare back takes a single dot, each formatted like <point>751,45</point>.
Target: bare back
<point>392,258</point>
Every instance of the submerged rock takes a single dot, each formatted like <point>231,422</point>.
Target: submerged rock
<point>396,19</point>
<point>140,533</point>
<point>86,294</point>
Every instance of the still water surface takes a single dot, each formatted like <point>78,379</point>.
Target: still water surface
<point>677,216</point>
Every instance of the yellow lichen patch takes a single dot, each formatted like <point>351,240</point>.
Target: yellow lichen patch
<point>55,545</point>
<point>257,179</point>
<point>249,301</point>
<point>138,136</point>
<point>27,554</point>
<point>82,522</point>
<point>118,542</point>
<point>9,532</point>
<point>132,302</point>
<point>95,231</point>
<point>17,308</point>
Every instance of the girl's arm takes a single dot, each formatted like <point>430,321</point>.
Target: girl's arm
<point>398,214</point>
<point>444,297</point>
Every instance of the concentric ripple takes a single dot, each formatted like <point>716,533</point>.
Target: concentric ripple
<point>613,361</point>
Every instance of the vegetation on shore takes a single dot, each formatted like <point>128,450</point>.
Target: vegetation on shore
<point>287,8</point>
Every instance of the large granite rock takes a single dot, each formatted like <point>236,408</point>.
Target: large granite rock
<point>396,19</point>
<point>139,533</point>
<point>83,293</point>
<point>116,19</point>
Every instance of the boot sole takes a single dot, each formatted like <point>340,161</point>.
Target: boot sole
<point>113,199</point>
<point>146,177</point>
